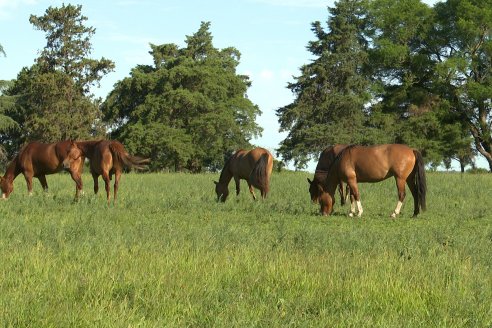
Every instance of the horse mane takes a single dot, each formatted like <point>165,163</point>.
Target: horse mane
<point>226,164</point>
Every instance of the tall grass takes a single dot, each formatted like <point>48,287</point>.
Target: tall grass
<point>169,255</point>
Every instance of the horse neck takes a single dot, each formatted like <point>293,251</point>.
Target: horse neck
<point>13,169</point>
<point>87,147</point>
<point>225,175</point>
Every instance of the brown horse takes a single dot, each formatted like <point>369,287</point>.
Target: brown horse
<point>254,166</point>
<point>38,160</point>
<point>325,159</point>
<point>108,157</point>
<point>373,164</point>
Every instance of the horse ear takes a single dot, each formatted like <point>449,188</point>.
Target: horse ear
<point>310,182</point>
<point>216,182</point>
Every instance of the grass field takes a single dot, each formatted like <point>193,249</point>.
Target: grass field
<point>168,255</point>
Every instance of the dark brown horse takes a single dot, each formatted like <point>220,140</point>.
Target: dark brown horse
<point>324,163</point>
<point>38,160</point>
<point>373,164</point>
<point>108,157</point>
<point>254,166</point>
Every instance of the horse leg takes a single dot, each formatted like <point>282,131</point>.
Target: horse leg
<point>252,190</point>
<point>44,183</point>
<point>95,177</point>
<point>354,191</point>
<point>117,175</point>
<point>341,192</point>
<point>400,185</point>
<point>78,183</point>
<point>236,180</point>
<point>413,190</point>
<point>105,177</point>
<point>28,177</point>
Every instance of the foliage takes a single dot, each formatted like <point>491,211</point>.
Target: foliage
<point>53,98</point>
<point>463,33</point>
<point>187,110</point>
<point>332,90</point>
<point>426,81</point>
<point>169,255</point>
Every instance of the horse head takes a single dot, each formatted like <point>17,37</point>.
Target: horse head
<point>7,187</point>
<point>315,190</point>
<point>222,191</point>
<point>73,158</point>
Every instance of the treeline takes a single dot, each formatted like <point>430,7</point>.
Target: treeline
<point>383,71</point>
<point>388,71</point>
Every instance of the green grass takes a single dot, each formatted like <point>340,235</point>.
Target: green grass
<point>168,255</point>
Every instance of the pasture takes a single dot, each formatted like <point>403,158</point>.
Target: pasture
<point>169,255</point>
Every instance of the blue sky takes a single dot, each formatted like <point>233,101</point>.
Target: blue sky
<point>270,34</point>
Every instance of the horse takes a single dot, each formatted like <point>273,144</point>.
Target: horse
<point>373,164</point>
<point>108,157</point>
<point>325,159</point>
<point>38,159</point>
<point>254,166</point>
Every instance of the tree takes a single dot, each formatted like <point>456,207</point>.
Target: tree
<point>187,110</point>
<point>463,34</point>
<point>332,91</point>
<point>53,97</point>
<point>405,107</point>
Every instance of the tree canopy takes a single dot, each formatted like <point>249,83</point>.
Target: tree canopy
<point>53,99</point>
<point>186,111</point>
<point>419,75</point>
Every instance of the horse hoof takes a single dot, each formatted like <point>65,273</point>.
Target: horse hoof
<point>351,214</point>
<point>393,216</point>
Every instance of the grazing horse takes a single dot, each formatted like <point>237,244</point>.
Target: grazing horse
<point>325,160</point>
<point>38,160</point>
<point>254,166</point>
<point>373,164</point>
<point>108,157</point>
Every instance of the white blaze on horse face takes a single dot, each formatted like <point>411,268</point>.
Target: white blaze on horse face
<point>397,209</point>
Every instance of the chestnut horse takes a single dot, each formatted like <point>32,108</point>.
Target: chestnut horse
<point>325,159</point>
<point>373,164</point>
<point>38,160</point>
<point>108,157</point>
<point>254,166</point>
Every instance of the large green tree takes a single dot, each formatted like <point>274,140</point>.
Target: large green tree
<point>53,96</point>
<point>332,90</point>
<point>463,36</point>
<point>186,111</point>
<point>7,124</point>
<point>405,108</point>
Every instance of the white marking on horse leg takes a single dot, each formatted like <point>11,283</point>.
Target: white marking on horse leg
<point>30,193</point>
<point>352,208</point>
<point>4,196</point>
<point>359,207</point>
<point>397,209</point>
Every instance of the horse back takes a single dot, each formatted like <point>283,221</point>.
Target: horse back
<point>243,162</point>
<point>379,162</point>
<point>40,158</point>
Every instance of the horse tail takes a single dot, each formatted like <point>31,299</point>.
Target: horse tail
<point>420,180</point>
<point>119,152</point>
<point>261,173</point>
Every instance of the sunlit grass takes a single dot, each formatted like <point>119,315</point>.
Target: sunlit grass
<point>167,254</point>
